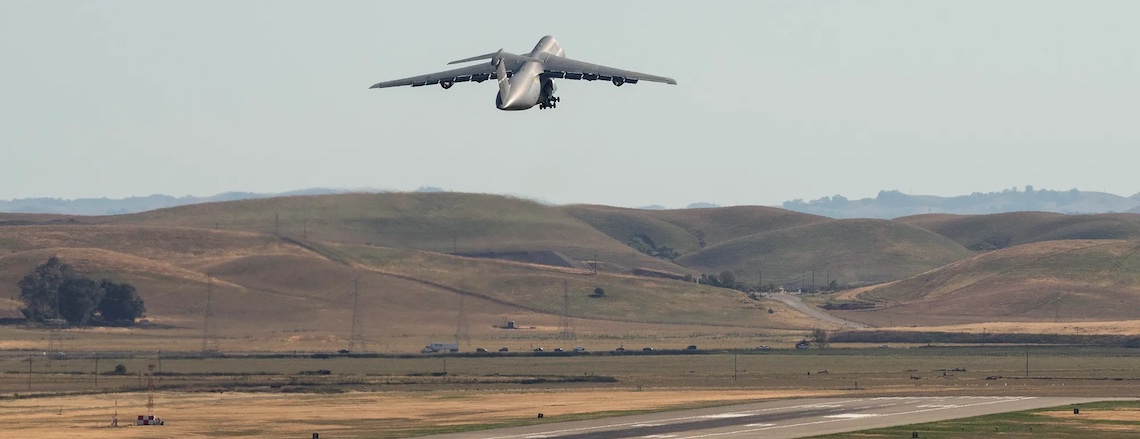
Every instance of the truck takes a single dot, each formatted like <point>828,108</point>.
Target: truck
<point>435,348</point>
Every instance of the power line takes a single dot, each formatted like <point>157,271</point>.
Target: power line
<point>356,337</point>
<point>565,323</point>
<point>209,336</point>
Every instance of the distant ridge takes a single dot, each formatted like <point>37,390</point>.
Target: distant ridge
<point>894,204</point>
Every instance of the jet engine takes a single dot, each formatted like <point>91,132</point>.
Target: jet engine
<point>618,81</point>
<point>446,84</point>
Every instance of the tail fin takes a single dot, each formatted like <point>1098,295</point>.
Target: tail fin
<point>501,73</point>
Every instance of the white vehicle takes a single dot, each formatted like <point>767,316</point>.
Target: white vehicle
<point>579,349</point>
<point>440,347</point>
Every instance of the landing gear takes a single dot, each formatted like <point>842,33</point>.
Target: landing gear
<point>550,102</point>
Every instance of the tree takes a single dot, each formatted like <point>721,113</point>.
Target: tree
<point>120,302</point>
<point>78,299</point>
<point>599,292</point>
<point>819,337</point>
<point>728,279</point>
<point>39,289</point>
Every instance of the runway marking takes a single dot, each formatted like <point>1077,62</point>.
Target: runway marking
<point>853,415</point>
<point>758,425</point>
<point>661,436</point>
<point>726,415</point>
<point>1011,399</point>
<point>645,425</point>
<point>662,421</point>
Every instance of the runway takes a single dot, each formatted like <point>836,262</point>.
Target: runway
<point>779,419</point>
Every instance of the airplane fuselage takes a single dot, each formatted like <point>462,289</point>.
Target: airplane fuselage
<point>527,87</point>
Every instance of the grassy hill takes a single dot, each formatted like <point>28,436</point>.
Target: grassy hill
<point>688,230</point>
<point>1071,280</point>
<point>270,292</point>
<point>439,222</point>
<point>848,251</point>
<point>989,232</point>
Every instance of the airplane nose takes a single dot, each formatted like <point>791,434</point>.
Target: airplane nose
<point>512,103</point>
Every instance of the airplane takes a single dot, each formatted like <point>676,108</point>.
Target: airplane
<point>526,80</point>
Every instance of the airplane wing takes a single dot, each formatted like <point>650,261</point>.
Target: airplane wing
<point>478,73</point>
<point>561,67</point>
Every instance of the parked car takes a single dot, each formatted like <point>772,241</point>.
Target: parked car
<point>579,349</point>
<point>763,348</point>
<point>557,349</point>
<point>620,349</point>
<point>503,350</point>
<point>691,347</point>
<point>647,349</point>
<point>480,350</point>
<point>538,349</point>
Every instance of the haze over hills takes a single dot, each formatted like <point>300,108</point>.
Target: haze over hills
<point>888,204</point>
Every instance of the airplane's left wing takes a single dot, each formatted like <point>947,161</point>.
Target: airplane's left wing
<point>478,73</point>
<point>561,67</point>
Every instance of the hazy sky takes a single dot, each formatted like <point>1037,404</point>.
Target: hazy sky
<point>777,99</point>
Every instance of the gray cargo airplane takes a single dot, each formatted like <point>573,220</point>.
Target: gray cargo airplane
<point>527,80</point>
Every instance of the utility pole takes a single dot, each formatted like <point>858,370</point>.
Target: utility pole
<point>29,373</point>
<point>96,369</point>
<point>734,369</point>
<point>595,264</point>
<point>565,330</point>
<point>813,279</point>
<point>305,230</point>
<point>760,274</point>
<point>356,335</point>
<point>208,322</point>
<point>1026,361</point>
<point>276,224</point>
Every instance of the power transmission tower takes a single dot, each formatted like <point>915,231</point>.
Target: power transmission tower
<point>462,327</point>
<point>209,336</point>
<point>356,338</point>
<point>565,324</point>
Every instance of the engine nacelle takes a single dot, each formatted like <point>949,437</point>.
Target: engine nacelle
<point>446,84</point>
<point>618,81</point>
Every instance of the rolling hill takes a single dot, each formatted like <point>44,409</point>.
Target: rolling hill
<point>848,251</point>
<point>440,222</point>
<point>688,230</point>
<point>989,232</point>
<point>1074,280</point>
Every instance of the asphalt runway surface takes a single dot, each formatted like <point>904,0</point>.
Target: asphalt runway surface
<point>780,419</point>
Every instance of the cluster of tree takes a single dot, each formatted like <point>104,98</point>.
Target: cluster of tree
<point>54,290</point>
<point>646,245</point>
<point>726,279</point>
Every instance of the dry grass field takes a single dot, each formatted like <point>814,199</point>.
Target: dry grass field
<point>988,232</point>
<point>1051,281</point>
<point>404,396</point>
<point>848,251</point>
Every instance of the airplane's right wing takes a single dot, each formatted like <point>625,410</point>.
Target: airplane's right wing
<point>478,73</point>
<point>560,67</point>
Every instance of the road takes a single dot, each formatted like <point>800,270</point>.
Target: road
<point>799,305</point>
<point>779,419</point>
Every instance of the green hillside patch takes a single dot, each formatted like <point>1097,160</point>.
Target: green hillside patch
<point>1109,419</point>
<point>1052,280</point>
<point>847,251</point>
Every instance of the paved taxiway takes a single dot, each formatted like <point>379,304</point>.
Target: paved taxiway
<point>779,419</point>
